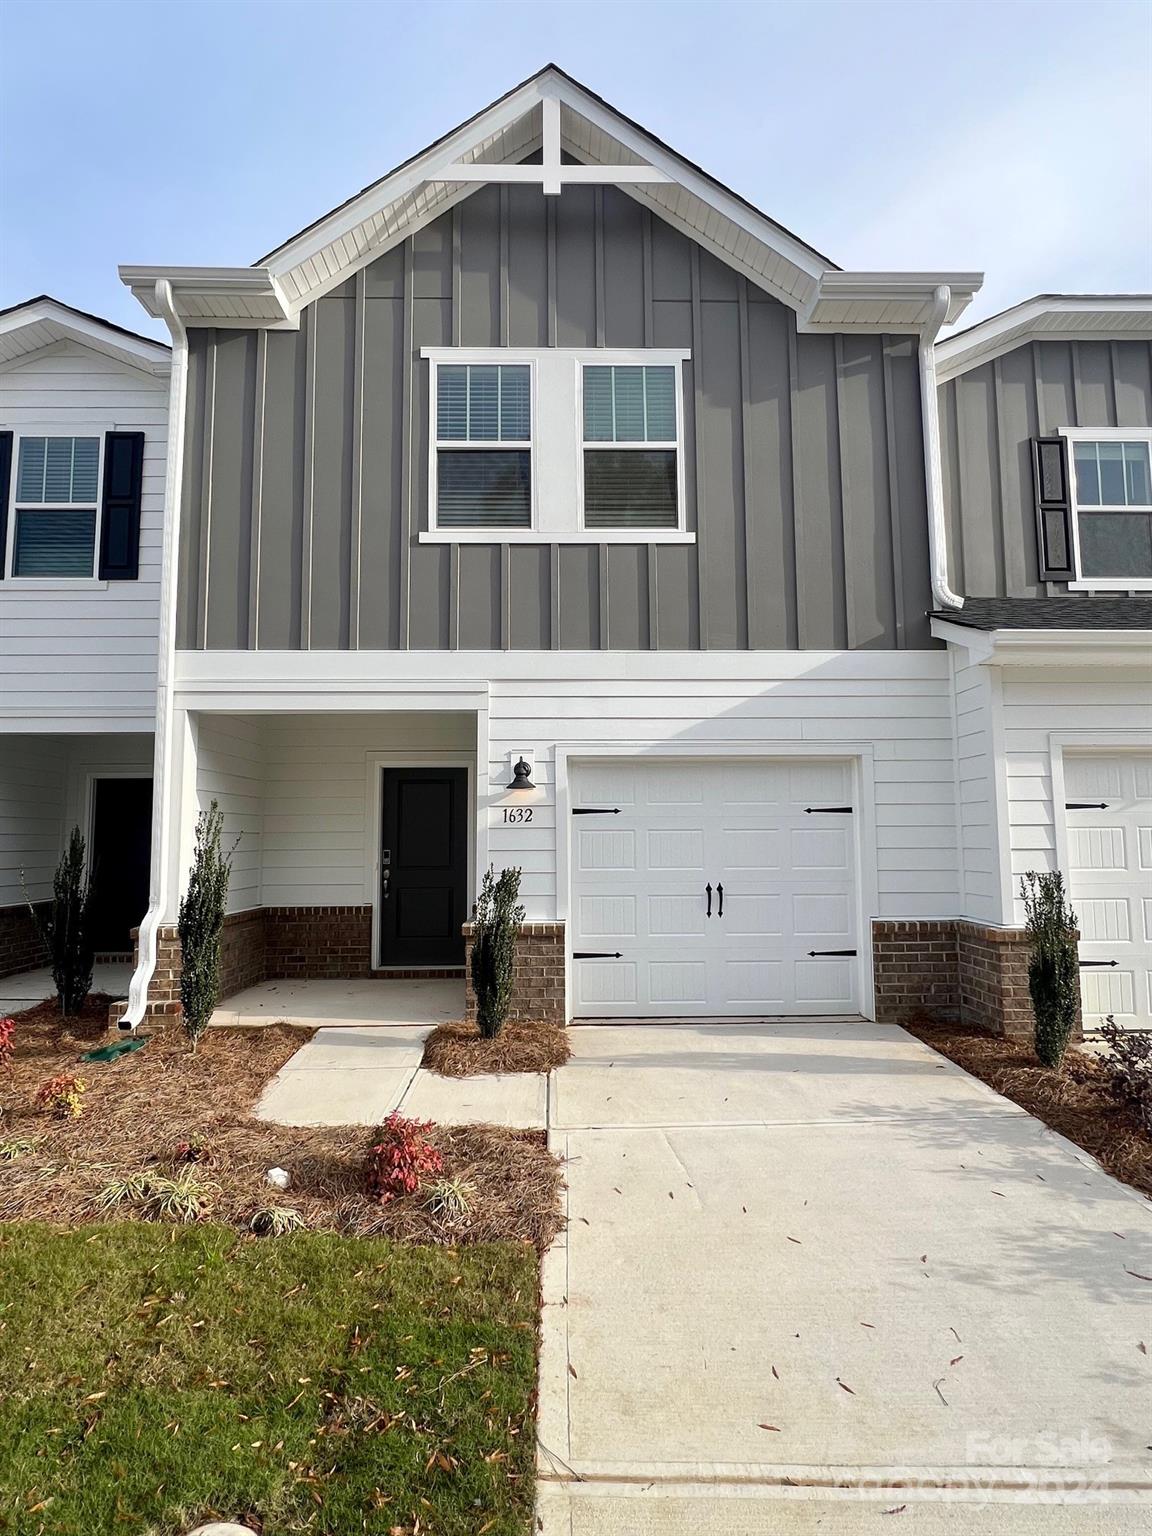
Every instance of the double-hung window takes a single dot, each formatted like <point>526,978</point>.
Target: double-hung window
<point>483,445</point>
<point>630,446</point>
<point>1112,487</point>
<point>55,504</point>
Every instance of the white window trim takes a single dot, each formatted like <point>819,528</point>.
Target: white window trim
<point>440,358</point>
<point>565,457</point>
<point>91,582</point>
<point>625,360</point>
<point>1074,435</point>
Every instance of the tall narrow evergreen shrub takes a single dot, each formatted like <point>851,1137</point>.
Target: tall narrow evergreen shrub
<point>201,921</point>
<point>1054,965</point>
<point>494,933</point>
<point>66,928</point>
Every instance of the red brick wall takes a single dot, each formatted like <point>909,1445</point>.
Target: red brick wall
<point>20,945</point>
<point>916,970</point>
<point>243,952</point>
<point>538,973</point>
<point>994,980</point>
<point>313,943</point>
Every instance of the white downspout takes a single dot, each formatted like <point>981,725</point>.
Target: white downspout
<point>162,830</point>
<point>942,593</point>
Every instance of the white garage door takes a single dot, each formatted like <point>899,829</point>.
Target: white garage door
<point>776,931</point>
<point>1109,817</point>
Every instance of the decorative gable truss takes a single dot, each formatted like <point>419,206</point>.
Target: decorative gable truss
<point>553,132</point>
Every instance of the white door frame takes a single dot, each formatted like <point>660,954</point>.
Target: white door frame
<point>377,763</point>
<point>859,755</point>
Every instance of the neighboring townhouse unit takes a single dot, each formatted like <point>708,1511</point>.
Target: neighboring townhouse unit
<point>545,504</point>
<point>1046,420</point>
<point>83,413</point>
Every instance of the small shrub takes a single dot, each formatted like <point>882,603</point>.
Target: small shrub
<point>190,1152</point>
<point>20,1146</point>
<point>200,922</point>
<point>64,1095</point>
<point>449,1197</point>
<point>495,929</point>
<point>275,1221</point>
<point>1054,967</point>
<point>7,1043</point>
<point>1129,1065</point>
<point>184,1198</point>
<point>66,929</point>
<point>402,1158</point>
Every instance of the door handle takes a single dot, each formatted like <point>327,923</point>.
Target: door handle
<point>720,893</point>
<point>708,888</point>
<point>384,891</point>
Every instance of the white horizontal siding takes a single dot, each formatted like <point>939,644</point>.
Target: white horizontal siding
<point>981,886</point>
<point>1099,708</point>
<point>76,655</point>
<point>230,771</point>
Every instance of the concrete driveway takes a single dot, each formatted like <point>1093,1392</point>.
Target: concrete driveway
<point>817,1278</point>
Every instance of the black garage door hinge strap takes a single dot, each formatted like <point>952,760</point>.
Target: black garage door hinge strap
<point>1085,805</point>
<point>827,810</point>
<point>595,810</point>
<point>1085,963</point>
<point>596,954</point>
<point>831,952</point>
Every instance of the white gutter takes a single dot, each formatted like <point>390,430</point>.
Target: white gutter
<point>165,664</point>
<point>942,593</point>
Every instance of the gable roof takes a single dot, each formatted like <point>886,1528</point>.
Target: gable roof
<point>43,321</point>
<point>594,135</point>
<point>1045,317</point>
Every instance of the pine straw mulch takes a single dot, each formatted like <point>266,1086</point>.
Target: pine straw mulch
<point>1076,1101</point>
<point>460,1050</point>
<point>139,1108</point>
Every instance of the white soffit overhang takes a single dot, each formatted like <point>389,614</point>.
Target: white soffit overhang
<point>1103,648</point>
<point>45,322</point>
<point>553,113</point>
<point>1048,317</point>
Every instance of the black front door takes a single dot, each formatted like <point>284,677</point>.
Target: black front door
<point>119,860</point>
<point>423,866</point>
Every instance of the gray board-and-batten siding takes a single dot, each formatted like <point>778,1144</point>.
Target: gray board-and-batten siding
<point>306,466</point>
<point>988,418</point>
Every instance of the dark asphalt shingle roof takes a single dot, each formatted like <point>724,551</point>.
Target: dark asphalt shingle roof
<point>1052,613</point>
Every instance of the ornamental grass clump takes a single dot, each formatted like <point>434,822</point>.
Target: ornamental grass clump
<point>1054,964</point>
<point>494,931</point>
<point>402,1159</point>
<point>201,921</point>
<point>63,1095</point>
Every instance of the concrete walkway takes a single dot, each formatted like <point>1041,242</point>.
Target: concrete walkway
<point>31,987</point>
<point>341,1004</point>
<point>816,1277</point>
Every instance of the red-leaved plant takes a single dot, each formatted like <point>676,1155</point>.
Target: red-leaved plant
<point>7,1036</point>
<point>63,1095</point>
<point>402,1158</point>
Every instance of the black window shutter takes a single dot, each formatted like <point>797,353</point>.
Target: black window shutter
<point>5,489</point>
<point>120,524</point>
<point>1053,508</point>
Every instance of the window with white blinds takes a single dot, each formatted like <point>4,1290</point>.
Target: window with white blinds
<point>483,447</point>
<point>56,499</point>
<point>631,443</point>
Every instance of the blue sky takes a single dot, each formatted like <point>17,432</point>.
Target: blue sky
<point>1013,138</point>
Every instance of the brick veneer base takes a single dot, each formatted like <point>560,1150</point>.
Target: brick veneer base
<point>954,970</point>
<point>537,977</point>
<point>21,948</point>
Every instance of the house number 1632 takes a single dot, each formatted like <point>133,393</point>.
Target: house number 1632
<point>517,813</point>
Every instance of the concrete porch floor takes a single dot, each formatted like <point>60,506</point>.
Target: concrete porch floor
<point>340,1004</point>
<point>31,987</point>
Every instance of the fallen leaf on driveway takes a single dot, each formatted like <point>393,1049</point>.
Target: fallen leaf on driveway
<point>774,1427</point>
<point>776,1373</point>
<point>844,1387</point>
<point>867,1325</point>
<point>797,1241</point>
<point>1135,1276</point>
<point>572,1371</point>
<point>956,1361</point>
<point>897,1510</point>
<point>1142,1347</point>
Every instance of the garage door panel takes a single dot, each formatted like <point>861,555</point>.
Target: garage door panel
<point>1110,876</point>
<point>639,886</point>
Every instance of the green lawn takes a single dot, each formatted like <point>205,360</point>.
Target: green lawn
<point>150,1375</point>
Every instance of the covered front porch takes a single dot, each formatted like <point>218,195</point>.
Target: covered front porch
<point>353,837</point>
